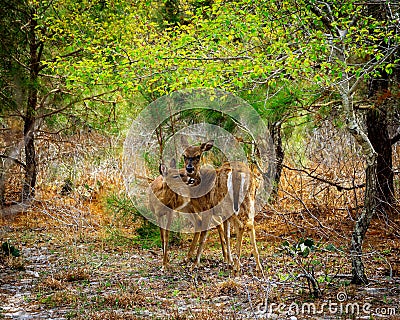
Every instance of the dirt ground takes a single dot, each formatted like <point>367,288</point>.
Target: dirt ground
<point>104,272</point>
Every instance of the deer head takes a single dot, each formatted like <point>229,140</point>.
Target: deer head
<point>175,179</point>
<point>192,156</point>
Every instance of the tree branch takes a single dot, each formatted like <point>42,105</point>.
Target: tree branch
<point>14,160</point>
<point>64,56</point>
<point>395,138</point>
<point>333,184</point>
<point>95,98</point>
<point>210,58</point>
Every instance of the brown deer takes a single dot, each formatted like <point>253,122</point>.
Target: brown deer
<point>243,183</point>
<point>166,195</point>
<point>206,210</point>
<point>192,156</point>
<point>232,200</point>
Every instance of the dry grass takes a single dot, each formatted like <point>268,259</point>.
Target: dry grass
<point>126,300</point>
<point>111,315</point>
<point>51,283</point>
<point>61,299</point>
<point>70,275</point>
<point>228,287</point>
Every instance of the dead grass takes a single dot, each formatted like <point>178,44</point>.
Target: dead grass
<point>228,287</point>
<point>61,299</point>
<point>51,283</point>
<point>70,275</point>
<point>110,315</point>
<point>11,262</point>
<point>126,300</point>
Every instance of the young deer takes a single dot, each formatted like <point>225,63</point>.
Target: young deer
<point>232,199</point>
<point>242,185</point>
<point>167,195</point>
<point>192,155</point>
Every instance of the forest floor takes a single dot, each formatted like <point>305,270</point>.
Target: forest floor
<point>105,272</point>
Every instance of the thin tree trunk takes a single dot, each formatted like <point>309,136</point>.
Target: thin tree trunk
<point>28,190</point>
<point>276,135</point>
<point>364,220</point>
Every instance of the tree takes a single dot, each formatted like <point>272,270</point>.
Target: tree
<point>38,43</point>
<point>344,27</point>
<point>378,116</point>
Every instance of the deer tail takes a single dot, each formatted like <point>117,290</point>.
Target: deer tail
<point>236,181</point>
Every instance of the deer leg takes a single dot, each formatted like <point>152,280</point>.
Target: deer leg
<point>165,249</point>
<point>203,238</point>
<point>239,237</point>
<point>256,254</point>
<point>196,220</point>
<point>222,240</point>
<point>164,243</point>
<point>227,233</point>
<point>193,246</point>
<point>221,233</point>
<point>164,232</point>
<point>205,224</point>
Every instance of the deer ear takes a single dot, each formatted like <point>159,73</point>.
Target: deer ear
<point>207,145</point>
<point>172,164</point>
<point>163,169</point>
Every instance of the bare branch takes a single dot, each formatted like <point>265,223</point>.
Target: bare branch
<point>14,160</point>
<point>93,98</point>
<point>42,102</point>
<point>331,183</point>
<point>210,58</point>
<point>372,67</point>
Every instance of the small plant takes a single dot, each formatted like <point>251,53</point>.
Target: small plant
<point>9,250</point>
<point>300,252</point>
<point>148,234</point>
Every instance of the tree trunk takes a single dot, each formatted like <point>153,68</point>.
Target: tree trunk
<point>276,135</point>
<point>379,137</point>
<point>363,222</point>
<point>28,190</point>
<point>377,126</point>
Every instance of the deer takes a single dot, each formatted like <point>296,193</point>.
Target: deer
<point>168,194</point>
<point>192,156</point>
<point>243,183</point>
<point>232,199</point>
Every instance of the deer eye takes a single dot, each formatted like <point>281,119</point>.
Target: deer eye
<point>175,177</point>
<point>197,157</point>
